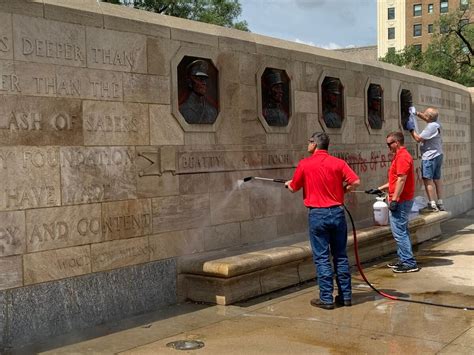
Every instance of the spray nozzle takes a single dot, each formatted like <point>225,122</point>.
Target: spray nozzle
<point>377,192</point>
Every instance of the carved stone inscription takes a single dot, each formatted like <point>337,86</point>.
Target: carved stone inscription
<point>60,81</point>
<point>6,47</point>
<point>60,227</point>
<point>107,123</point>
<point>126,219</point>
<point>212,161</point>
<point>113,50</point>
<point>40,121</point>
<point>12,233</point>
<point>119,253</point>
<point>45,41</point>
<point>9,81</point>
<point>97,174</point>
<point>30,177</point>
<point>56,264</point>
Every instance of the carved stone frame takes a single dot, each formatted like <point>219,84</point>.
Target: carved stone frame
<point>280,65</point>
<point>200,52</point>
<point>376,81</point>
<point>404,86</point>
<point>322,123</point>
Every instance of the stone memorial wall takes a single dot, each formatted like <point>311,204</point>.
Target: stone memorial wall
<point>110,172</point>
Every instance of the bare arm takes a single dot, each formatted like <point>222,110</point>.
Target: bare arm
<point>352,187</point>
<point>383,187</point>
<point>416,136</point>
<point>423,116</point>
<point>287,185</point>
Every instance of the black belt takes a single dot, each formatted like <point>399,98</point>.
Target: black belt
<point>320,208</point>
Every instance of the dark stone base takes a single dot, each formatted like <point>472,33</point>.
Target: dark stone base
<point>33,313</point>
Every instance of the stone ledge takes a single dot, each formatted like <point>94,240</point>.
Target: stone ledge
<point>224,280</point>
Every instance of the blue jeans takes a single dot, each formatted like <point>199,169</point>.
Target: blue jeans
<point>399,225</point>
<point>328,234</point>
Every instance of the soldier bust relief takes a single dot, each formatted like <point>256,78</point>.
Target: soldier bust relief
<point>332,102</point>
<point>374,104</point>
<point>197,108</point>
<point>275,92</point>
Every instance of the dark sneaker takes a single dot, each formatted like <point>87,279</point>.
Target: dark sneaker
<point>315,302</point>
<point>394,264</point>
<point>343,303</point>
<point>440,207</point>
<point>404,269</point>
<point>429,209</point>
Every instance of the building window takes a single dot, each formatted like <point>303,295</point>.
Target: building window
<point>443,7</point>
<point>391,13</point>
<point>417,10</point>
<point>430,8</point>
<point>391,33</point>
<point>417,30</point>
<point>430,28</point>
<point>417,47</point>
<point>464,4</point>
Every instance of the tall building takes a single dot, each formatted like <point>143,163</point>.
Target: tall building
<point>402,23</point>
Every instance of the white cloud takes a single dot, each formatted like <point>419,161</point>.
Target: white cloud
<point>297,40</point>
<point>330,45</point>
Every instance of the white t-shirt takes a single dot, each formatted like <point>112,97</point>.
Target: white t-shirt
<point>433,144</point>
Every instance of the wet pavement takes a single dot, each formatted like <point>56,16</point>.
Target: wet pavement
<point>284,322</point>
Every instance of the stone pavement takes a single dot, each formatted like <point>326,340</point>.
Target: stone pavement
<point>285,323</point>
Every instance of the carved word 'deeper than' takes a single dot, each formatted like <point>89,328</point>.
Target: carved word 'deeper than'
<point>51,49</point>
<point>114,57</point>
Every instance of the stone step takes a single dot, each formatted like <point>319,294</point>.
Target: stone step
<point>222,279</point>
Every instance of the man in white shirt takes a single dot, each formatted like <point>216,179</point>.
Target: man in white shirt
<point>432,155</point>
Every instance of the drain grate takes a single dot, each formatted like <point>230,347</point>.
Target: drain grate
<point>185,344</point>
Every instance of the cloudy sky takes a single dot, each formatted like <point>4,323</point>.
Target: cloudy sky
<point>328,24</point>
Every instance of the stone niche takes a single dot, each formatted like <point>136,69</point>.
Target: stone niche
<point>113,170</point>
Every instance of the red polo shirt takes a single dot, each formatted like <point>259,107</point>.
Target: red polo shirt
<point>402,164</point>
<point>322,178</point>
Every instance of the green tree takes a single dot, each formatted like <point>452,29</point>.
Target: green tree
<point>217,12</point>
<point>450,52</point>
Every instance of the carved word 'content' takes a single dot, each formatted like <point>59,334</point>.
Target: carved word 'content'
<point>62,230</point>
<point>127,223</point>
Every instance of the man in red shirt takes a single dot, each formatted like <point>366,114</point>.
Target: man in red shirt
<point>401,190</point>
<point>325,179</point>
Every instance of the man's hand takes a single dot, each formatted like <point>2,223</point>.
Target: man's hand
<point>393,206</point>
<point>287,185</point>
<point>374,192</point>
<point>412,110</point>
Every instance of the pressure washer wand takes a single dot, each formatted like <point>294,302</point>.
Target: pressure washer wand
<point>248,178</point>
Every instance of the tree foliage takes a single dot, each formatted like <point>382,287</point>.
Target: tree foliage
<point>217,12</point>
<point>450,52</point>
